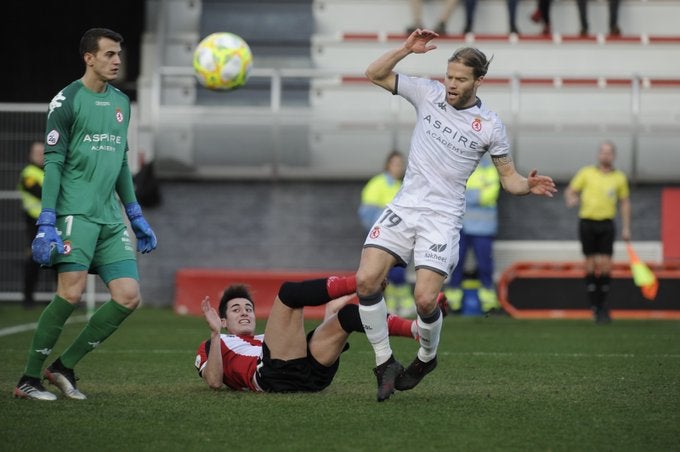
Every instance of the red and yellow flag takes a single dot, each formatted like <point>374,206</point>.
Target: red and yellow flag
<point>643,277</point>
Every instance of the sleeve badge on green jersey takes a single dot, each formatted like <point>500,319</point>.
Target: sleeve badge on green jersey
<point>119,115</point>
<point>52,138</point>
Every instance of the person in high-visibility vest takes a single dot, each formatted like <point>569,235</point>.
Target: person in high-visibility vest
<point>480,225</point>
<point>30,187</point>
<point>377,192</point>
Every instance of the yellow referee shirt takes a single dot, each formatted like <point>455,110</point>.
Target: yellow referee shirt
<point>599,191</point>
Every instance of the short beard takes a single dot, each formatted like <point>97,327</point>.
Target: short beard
<point>463,101</point>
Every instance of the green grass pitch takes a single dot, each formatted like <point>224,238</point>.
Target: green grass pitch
<point>502,384</point>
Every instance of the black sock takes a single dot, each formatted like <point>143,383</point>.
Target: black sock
<point>349,319</point>
<point>305,293</point>
<point>592,289</point>
<point>603,285</point>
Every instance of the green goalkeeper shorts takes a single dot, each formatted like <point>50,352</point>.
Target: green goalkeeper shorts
<point>90,245</point>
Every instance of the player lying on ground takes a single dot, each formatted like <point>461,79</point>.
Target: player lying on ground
<point>284,358</point>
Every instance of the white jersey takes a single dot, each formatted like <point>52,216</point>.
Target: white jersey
<point>425,216</point>
<point>446,147</point>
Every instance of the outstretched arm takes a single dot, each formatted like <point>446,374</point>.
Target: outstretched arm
<point>515,183</point>
<point>625,219</point>
<point>213,371</point>
<point>381,71</point>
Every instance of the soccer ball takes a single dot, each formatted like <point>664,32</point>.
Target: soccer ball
<point>222,61</point>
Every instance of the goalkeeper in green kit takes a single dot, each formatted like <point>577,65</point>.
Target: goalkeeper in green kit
<point>81,227</point>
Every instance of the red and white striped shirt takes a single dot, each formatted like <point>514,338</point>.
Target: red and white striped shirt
<point>240,357</point>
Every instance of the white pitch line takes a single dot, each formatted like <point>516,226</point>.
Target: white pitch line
<point>553,354</point>
<point>568,355</point>
<point>31,326</point>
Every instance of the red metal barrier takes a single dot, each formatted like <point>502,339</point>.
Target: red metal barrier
<point>557,290</point>
<point>194,284</point>
<point>670,224</point>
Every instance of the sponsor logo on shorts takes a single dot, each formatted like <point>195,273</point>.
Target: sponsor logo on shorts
<point>438,247</point>
<point>67,247</point>
<point>435,257</point>
<point>52,138</point>
<point>434,254</point>
<point>375,232</point>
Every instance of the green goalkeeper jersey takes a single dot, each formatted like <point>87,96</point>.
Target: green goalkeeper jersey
<point>87,136</point>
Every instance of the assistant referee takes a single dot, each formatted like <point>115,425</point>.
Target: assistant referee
<point>599,188</point>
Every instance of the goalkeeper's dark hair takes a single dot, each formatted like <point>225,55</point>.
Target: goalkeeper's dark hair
<point>474,58</point>
<point>234,291</point>
<point>89,43</point>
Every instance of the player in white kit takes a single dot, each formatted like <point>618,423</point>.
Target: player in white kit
<point>453,130</point>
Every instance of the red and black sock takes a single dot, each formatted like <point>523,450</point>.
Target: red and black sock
<point>350,321</point>
<point>316,292</point>
<point>337,286</point>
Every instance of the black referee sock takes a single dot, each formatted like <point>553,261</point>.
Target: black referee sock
<point>592,289</point>
<point>603,285</point>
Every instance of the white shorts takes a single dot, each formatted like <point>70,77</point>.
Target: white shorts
<point>432,237</point>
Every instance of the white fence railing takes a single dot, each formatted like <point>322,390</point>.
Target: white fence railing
<point>641,114</point>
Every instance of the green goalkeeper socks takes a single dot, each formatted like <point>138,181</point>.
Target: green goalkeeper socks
<point>103,324</point>
<point>50,324</point>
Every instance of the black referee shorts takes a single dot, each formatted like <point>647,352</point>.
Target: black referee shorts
<point>597,236</point>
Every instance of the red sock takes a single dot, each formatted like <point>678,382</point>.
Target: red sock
<point>337,286</point>
<point>398,326</point>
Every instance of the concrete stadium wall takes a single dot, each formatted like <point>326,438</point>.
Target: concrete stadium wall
<point>314,226</point>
